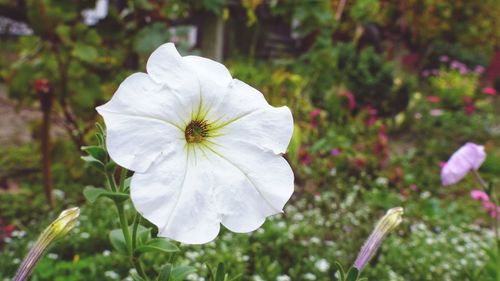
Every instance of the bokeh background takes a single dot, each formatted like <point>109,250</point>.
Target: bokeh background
<point>382,93</point>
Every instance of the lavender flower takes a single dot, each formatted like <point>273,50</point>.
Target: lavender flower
<point>469,157</point>
<point>56,230</point>
<point>386,225</point>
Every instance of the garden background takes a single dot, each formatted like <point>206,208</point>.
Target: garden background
<point>382,93</point>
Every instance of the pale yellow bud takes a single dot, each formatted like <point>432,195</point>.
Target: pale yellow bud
<point>56,230</point>
<point>385,225</point>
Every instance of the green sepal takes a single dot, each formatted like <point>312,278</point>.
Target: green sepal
<point>156,245</point>
<point>110,167</point>
<point>352,274</point>
<point>126,185</point>
<point>165,273</point>
<point>93,193</point>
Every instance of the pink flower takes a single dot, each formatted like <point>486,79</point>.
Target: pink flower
<point>335,152</point>
<point>314,117</point>
<point>489,91</point>
<point>468,157</point>
<point>351,101</point>
<point>372,116</point>
<point>469,105</point>
<point>479,195</point>
<point>436,112</point>
<point>433,99</point>
<point>444,58</point>
<point>479,69</point>
<point>492,209</point>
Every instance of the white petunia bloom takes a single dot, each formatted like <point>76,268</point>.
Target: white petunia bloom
<point>206,148</point>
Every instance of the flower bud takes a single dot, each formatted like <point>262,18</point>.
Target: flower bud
<point>56,230</point>
<point>386,225</point>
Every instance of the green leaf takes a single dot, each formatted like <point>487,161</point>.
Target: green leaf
<point>341,271</point>
<point>180,272</point>
<point>85,52</point>
<point>97,152</point>
<point>93,193</point>
<point>143,235</point>
<point>352,274</point>
<point>220,273</point>
<point>157,245</point>
<point>93,162</point>
<point>118,241</point>
<point>150,37</point>
<point>144,5</point>
<point>165,273</point>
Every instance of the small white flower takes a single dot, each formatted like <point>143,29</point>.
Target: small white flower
<point>192,255</point>
<point>112,275</point>
<point>206,148</point>
<point>257,278</point>
<point>283,278</point>
<point>18,234</point>
<point>52,256</point>
<point>309,276</point>
<point>92,16</point>
<point>322,265</point>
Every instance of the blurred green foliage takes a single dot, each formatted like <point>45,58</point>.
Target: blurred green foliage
<point>350,163</point>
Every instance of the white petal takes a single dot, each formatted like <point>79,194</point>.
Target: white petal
<point>165,65</point>
<point>209,71</point>
<point>245,115</point>
<point>251,184</point>
<point>239,100</point>
<point>176,195</point>
<point>142,119</point>
<point>268,129</point>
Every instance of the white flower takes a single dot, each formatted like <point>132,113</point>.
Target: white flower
<point>309,276</point>
<point>112,275</point>
<point>206,148</point>
<point>322,265</point>
<point>283,278</point>
<point>93,16</point>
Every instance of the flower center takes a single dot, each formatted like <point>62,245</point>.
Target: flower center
<point>196,131</point>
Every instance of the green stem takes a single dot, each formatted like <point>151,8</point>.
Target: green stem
<point>130,238</point>
<point>124,225</point>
